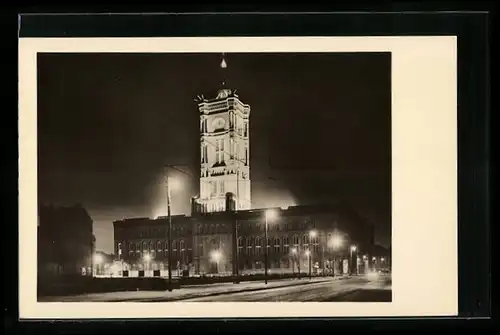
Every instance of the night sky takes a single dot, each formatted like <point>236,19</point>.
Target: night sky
<point>320,129</point>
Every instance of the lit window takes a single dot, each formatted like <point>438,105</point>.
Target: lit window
<point>277,245</point>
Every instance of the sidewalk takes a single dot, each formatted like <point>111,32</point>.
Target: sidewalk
<point>186,292</point>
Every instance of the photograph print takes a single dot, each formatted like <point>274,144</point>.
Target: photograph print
<point>214,177</point>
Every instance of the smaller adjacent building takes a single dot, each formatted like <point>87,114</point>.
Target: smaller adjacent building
<point>65,241</point>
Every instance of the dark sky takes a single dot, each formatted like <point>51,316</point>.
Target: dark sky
<point>320,129</point>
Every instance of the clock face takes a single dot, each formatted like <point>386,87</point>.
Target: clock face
<point>219,123</point>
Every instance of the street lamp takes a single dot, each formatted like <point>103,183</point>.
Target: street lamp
<point>308,254</point>
<point>353,249</point>
<point>270,215</point>
<point>216,256</point>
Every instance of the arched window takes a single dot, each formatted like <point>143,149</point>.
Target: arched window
<point>240,245</point>
<point>151,247</point>
<point>249,245</point>
<point>295,241</point>
<point>174,246</point>
<point>217,228</point>
<point>182,251</point>
<point>212,229</point>
<point>165,245</point>
<point>305,240</point>
<point>131,248</point>
<point>144,247</point>
<point>200,229</point>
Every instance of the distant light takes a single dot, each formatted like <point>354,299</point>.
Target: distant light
<point>313,233</point>
<point>308,253</point>
<point>223,64</point>
<point>284,207</point>
<point>353,248</point>
<point>271,215</point>
<point>147,257</point>
<point>374,258</point>
<point>294,250</point>
<point>382,259</point>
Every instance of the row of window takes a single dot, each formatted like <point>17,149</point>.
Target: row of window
<point>215,228</point>
<point>217,188</point>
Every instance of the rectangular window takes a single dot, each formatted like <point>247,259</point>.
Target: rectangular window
<point>219,150</point>
<point>231,149</point>
<point>246,156</point>
<point>245,129</point>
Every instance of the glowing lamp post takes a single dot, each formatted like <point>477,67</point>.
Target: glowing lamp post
<point>270,215</point>
<point>308,254</point>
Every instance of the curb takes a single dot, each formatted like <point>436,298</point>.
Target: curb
<point>215,294</point>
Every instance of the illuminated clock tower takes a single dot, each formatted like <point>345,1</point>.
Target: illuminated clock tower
<point>225,149</point>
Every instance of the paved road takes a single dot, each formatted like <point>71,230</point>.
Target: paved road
<point>340,290</point>
<point>362,295</point>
